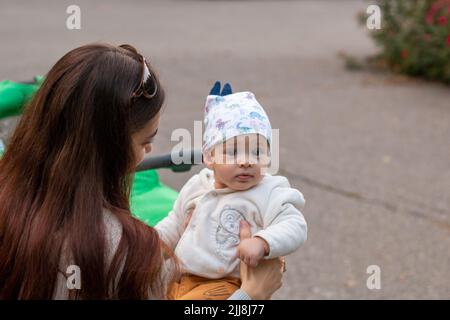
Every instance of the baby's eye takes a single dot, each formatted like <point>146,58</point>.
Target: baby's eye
<point>256,152</point>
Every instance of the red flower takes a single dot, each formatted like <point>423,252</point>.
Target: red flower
<point>442,21</point>
<point>435,8</point>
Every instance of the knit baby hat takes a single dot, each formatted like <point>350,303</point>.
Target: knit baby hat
<point>233,115</point>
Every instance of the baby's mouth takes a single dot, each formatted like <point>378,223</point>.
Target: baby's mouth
<point>244,176</point>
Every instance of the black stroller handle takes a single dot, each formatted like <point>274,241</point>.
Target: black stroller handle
<point>165,161</point>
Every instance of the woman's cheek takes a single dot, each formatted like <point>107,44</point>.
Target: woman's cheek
<point>139,153</point>
<point>142,152</point>
<point>140,157</point>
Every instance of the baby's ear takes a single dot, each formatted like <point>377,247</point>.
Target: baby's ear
<point>208,159</point>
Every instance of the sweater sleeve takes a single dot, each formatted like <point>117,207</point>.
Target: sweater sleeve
<point>171,227</point>
<point>285,228</point>
<point>239,295</point>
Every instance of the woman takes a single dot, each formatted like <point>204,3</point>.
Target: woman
<point>65,185</point>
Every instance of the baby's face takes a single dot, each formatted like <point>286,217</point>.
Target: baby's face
<point>239,163</point>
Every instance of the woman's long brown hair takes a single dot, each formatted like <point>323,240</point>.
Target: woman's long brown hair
<point>67,161</point>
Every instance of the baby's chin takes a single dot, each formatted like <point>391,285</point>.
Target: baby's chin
<point>242,185</point>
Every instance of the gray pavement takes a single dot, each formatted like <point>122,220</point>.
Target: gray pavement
<point>370,151</point>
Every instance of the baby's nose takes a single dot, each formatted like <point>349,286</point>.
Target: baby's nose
<point>244,162</point>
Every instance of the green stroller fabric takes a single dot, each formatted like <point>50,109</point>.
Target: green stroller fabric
<point>151,200</point>
<point>13,96</point>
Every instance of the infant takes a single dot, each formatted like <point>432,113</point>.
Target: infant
<point>234,186</point>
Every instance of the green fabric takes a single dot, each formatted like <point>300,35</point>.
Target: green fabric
<point>151,200</point>
<point>13,96</point>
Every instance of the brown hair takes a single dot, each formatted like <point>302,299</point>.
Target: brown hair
<point>67,161</point>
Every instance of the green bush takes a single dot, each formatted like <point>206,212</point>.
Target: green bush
<point>415,37</point>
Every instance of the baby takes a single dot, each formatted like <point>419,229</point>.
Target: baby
<point>235,186</point>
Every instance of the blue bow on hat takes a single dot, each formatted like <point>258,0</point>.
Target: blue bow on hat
<point>226,90</point>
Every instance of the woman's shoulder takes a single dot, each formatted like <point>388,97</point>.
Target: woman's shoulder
<point>113,227</point>
<point>113,232</point>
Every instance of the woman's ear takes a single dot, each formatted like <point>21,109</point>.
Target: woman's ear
<point>208,159</point>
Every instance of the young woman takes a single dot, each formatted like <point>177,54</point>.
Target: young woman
<point>65,186</point>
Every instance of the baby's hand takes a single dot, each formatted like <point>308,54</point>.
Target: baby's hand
<point>252,250</point>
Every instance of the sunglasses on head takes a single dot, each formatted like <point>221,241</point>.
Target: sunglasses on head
<point>147,86</point>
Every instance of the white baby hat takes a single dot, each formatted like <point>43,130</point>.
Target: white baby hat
<point>233,115</point>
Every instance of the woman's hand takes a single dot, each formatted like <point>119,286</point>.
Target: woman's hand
<point>262,281</point>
